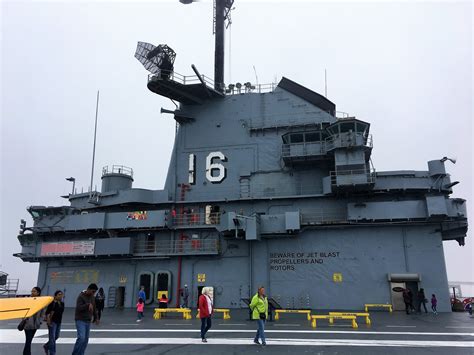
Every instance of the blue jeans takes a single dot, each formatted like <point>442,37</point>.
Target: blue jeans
<point>83,329</point>
<point>53,333</point>
<point>205,326</point>
<point>260,331</point>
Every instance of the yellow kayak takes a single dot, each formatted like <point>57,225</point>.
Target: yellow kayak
<point>23,307</point>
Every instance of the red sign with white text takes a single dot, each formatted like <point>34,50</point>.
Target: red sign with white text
<point>68,248</point>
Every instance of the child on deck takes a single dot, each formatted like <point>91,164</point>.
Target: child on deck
<point>140,307</point>
<point>434,302</point>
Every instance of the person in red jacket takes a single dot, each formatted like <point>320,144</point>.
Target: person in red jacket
<point>205,312</point>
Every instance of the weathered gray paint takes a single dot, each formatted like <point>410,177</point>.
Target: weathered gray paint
<point>284,201</point>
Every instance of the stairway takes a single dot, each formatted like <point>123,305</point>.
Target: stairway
<point>111,297</point>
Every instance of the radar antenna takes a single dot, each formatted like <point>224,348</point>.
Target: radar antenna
<point>157,60</point>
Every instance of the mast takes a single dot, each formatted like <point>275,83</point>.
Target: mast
<point>220,8</point>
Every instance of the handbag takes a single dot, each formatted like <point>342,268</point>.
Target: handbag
<point>21,326</point>
<point>263,316</point>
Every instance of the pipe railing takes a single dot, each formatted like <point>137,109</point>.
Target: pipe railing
<point>186,246</point>
<point>194,79</point>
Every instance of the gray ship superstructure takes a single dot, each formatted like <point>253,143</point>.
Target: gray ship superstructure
<point>266,186</point>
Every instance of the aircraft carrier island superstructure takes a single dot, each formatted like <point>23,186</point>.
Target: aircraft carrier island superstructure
<point>266,186</point>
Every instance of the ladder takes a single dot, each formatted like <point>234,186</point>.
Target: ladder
<point>111,297</point>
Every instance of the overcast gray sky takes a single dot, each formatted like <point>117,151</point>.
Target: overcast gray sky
<point>405,67</point>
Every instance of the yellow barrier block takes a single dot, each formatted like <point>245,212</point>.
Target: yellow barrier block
<point>185,311</point>
<point>378,305</point>
<point>357,314</point>
<point>299,311</point>
<point>224,311</point>
<point>331,319</point>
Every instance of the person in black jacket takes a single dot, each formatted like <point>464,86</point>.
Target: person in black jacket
<point>422,300</point>
<point>408,299</point>
<point>54,317</point>
<point>85,312</point>
<point>100,302</point>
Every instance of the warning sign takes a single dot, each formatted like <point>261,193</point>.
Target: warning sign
<point>337,277</point>
<point>201,277</point>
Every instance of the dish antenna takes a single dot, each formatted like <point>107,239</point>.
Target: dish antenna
<point>157,60</point>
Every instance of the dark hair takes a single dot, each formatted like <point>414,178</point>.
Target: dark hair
<point>37,290</point>
<point>57,293</point>
<point>140,300</point>
<point>92,287</point>
<point>433,295</point>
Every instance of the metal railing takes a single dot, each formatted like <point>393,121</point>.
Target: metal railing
<point>352,177</point>
<point>191,218</point>
<point>275,190</point>
<point>293,150</point>
<point>190,246</point>
<point>117,169</point>
<point>259,88</point>
<point>179,78</point>
<point>341,115</point>
<point>348,139</point>
<point>10,288</point>
<point>323,216</point>
<point>194,79</point>
<point>305,149</point>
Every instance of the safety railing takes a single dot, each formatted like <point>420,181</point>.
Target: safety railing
<point>307,149</point>
<point>191,218</point>
<point>179,78</point>
<point>295,150</point>
<point>191,246</point>
<point>348,139</point>
<point>117,169</point>
<point>323,216</point>
<point>194,79</point>
<point>259,88</point>
<point>352,177</point>
<point>289,189</point>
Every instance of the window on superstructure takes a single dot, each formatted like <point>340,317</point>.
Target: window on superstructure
<point>297,138</point>
<point>312,136</point>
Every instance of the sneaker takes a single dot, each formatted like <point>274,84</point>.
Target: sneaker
<point>204,340</point>
<point>263,343</point>
<point>256,341</point>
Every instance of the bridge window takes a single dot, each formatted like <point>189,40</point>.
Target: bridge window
<point>297,138</point>
<point>312,136</point>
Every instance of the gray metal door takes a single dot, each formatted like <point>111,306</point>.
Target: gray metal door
<point>397,297</point>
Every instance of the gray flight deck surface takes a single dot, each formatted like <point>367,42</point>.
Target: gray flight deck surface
<point>396,333</point>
